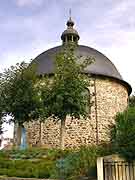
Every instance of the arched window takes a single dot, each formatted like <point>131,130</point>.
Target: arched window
<point>64,40</point>
<point>74,39</point>
<point>69,38</point>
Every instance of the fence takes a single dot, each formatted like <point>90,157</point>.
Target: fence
<point>115,168</point>
<point>119,170</point>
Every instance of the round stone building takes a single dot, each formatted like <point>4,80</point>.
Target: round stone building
<point>108,96</point>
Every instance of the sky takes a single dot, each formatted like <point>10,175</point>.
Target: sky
<point>29,27</point>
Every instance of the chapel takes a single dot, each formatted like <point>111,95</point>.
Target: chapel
<point>108,94</point>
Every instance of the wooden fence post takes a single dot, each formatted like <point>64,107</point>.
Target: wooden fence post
<point>100,170</point>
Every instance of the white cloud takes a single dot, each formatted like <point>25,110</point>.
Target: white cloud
<point>26,55</point>
<point>113,34</point>
<point>122,54</point>
<point>108,26</point>
<point>123,6</point>
<point>22,3</point>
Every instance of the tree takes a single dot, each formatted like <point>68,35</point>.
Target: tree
<point>123,134</point>
<point>63,94</point>
<point>2,104</point>
<point>132,100</point>
<point>1,131</point>
<point>1,121</point>
<point>19,93</point>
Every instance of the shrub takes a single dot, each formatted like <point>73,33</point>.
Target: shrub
<point>123,134</point>
<point>79,163</point>
<point>26,168</point>
<point>33,153</point>
<point>51,163</point>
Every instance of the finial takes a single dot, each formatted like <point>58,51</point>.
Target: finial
<point>70,23</point>
<point>70,13</point>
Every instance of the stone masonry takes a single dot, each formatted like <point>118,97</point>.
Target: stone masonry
<point>108,97</point>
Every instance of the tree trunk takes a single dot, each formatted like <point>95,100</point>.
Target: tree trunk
<point>15,135</point>
<point>19,133</point>
<point>40,135</point>
<point>62,133</point>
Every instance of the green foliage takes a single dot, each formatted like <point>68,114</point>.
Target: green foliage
<point>2,105</point>
<point>33,153</point>
<point>63,94</point>
<point>1,119</point>
<point>132,100</point>
<point>24,97</point>
<point>80,163</point>
<point>30,163</point>
<point>26,168</point>
<point>123,134</point>
<point>51,163</point>
<point>19,94</point>
<point>1,129</point>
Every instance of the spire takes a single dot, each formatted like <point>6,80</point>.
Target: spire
<point>70,12</point>
<point>70,34</point>
<point>70,23</point>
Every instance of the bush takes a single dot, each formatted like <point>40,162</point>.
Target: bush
<point>3,171</point>
<point>79,163</point>
<point>26,168</point>
<point>33,153</point>
<point>51,163</point>
<point>33,162</point>
<point>123,134</point>
<point>26,154</point>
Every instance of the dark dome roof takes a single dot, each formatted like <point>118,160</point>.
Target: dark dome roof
<point>102,65</point>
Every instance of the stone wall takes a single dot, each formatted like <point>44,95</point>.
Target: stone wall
<point>112,98</point>
<point>108,98</point>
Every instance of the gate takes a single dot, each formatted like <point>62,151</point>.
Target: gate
<point>119,170</point>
